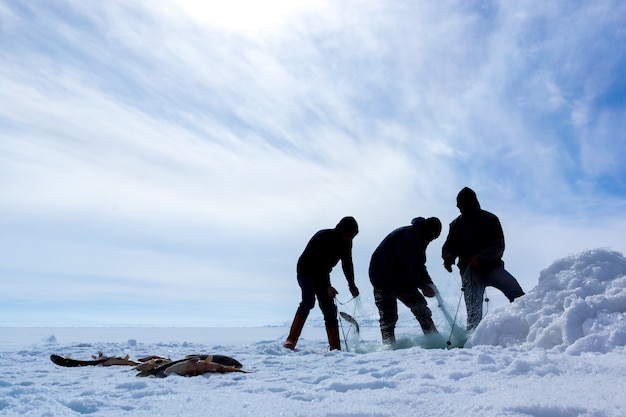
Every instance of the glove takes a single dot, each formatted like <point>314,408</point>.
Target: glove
<point>448,261</point>
<point>332,292</point>
<point>428,291</point>
<point>353,290</point>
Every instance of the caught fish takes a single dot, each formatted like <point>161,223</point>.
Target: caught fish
<point>347,317</point>
<point>99,360</point>
<point>160,366</point>
<point>196,366</point>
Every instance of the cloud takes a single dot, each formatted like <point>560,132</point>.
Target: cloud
<point>152,147</point>
<point>244,16</point>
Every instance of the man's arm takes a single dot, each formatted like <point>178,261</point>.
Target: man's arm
<point>348,270</point>
<point>420,271</point>
<point>448,250</point>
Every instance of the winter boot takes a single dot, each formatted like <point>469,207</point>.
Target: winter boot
<point>428,326</point>
<point>333,338</point>
<point>389,335</point>
<point>294,332</point>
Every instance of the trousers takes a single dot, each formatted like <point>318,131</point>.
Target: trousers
<point>474,284</point>
<point>315,287</point>
<point>386,301</point>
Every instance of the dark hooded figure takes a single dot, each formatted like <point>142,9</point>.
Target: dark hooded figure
<point>477,240</point>
<point>325,249</point>
<point>398,271</point>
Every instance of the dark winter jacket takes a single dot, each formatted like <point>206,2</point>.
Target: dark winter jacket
<point>325,249</point>
<point>399,262</point>
<point>476,233</point>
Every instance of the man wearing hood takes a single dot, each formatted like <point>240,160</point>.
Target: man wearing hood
<point>325,249</point>
<point>398,271</point>
<point>477,240</point>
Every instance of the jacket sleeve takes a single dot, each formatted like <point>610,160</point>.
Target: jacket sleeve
<point>347,265</point>
<point>449,251</point>
<point>419,271</point>
<point>424,278</point>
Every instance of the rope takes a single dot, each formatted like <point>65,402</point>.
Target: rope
<point>343,304</point>
<point>349,319</point>
<point>449,341</point>
<point>486,304</point>
<point>451,320</point>
<point>345,338</point>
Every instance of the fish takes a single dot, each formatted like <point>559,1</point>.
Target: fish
<point>160,366</point>
<point>347,317</point>
<point>196,366</point>
<point>99,360</point>
<point>149,366</point>
<point>114,361</point>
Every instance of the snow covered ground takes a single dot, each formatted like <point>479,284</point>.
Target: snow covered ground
<point>557,352</point>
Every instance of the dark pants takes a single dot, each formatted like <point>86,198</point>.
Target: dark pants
<point>386,301</point>
<point>474,284</point>
<point>313,287</point>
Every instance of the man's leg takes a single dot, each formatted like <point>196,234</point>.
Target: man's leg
<point>295,331</point>
<point>473,292</point>
<point>388,312</point>
<point>307,289</point>
<point>419,307</point>
<point>307,303</point>
<point>328,307</point>
<point>329,310</point>
<point>505,282</point>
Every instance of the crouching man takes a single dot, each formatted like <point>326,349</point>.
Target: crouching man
<point>398,271</point>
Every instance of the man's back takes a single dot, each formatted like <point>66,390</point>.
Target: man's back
<point>399,257</point>
<point>476,233</point>
<point>323,252</point>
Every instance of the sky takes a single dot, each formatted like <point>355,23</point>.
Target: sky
<point>165,162</point>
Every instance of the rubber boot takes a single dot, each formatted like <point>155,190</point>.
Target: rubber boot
<point>389,335</point>
<point>428,325</point>
<point>333,338</point>
<point>294,332</point>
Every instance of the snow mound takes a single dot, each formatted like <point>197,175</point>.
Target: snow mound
<point>579,305</point>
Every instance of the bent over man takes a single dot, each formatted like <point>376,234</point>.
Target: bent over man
<point>398,271</point>
<point>321,254</point>
<point>477,240</point>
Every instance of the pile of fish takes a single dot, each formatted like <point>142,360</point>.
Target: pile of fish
<point>159,366</point>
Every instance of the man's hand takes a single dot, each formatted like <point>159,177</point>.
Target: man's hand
<point>428,291</point>
<point>353,290</point>
<point>448,261</point>
<point>332,292</point>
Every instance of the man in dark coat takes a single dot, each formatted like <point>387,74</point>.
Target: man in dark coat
<point>325,249</point>
<point>398,271</point>
<point>477,240</point>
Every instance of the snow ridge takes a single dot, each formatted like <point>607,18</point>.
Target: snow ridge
<point>579,305</point>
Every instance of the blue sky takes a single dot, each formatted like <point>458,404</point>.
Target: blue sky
<point>165,162</point>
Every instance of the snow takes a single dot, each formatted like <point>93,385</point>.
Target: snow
<point>559,351</point>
